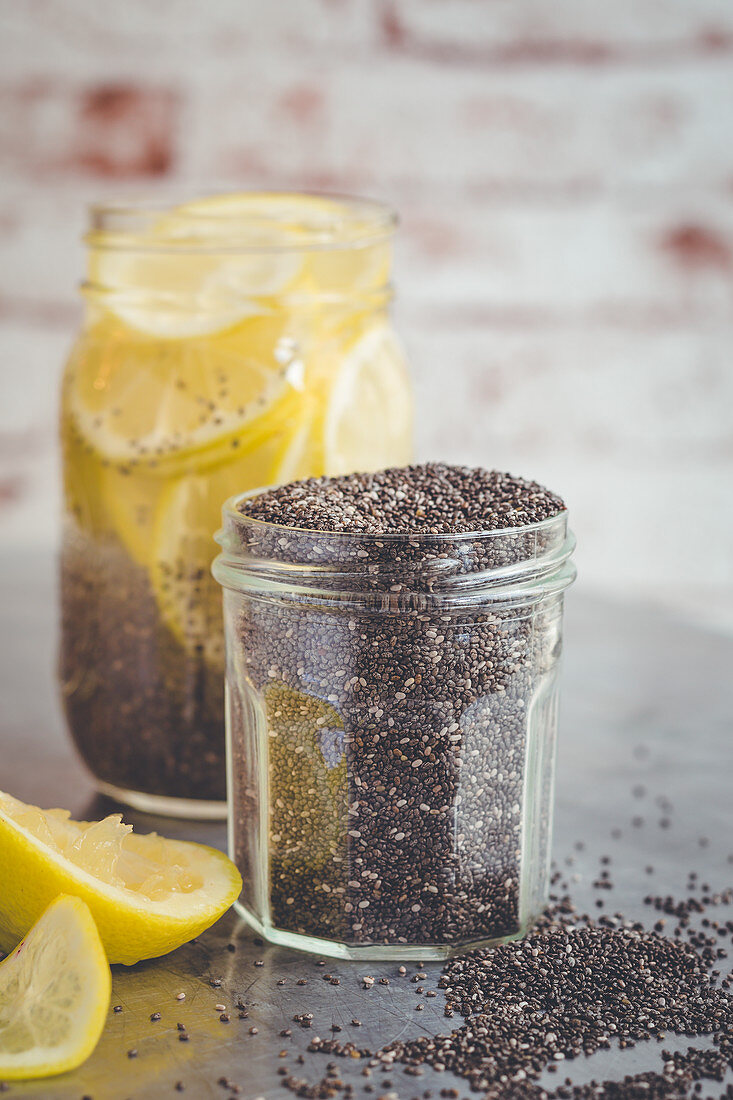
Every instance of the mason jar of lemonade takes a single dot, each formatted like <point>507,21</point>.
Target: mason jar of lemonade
<point>229,343</point>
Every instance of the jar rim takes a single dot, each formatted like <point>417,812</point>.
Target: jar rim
<point>211,222</point>
<point>530,562</point>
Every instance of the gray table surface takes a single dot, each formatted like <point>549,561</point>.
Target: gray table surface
<point>646,699</point>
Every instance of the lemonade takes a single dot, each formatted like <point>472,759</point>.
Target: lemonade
<point>230,343</point>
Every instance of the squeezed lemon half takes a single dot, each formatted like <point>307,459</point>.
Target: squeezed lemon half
<point>147,895</point>
<point>54,994</point>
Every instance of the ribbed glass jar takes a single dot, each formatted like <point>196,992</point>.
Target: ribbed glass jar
<point>228,342</point>
<point>391,717</point>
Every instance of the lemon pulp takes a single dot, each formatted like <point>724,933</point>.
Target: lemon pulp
<point>147,894</point>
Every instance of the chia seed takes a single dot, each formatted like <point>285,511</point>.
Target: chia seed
<point>397,727</point>
<point>144,708</point>
<point>525,1010</point>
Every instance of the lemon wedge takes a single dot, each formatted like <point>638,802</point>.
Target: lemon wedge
<point>54,994</point>
<point>148,895</point>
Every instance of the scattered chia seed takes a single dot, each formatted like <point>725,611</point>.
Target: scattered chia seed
<point>571,987</point>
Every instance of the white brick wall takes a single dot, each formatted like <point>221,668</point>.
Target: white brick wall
<point>565,268</point>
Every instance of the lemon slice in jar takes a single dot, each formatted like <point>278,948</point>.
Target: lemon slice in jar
<point>148,403</point>
<point>148,895</point>
<point>177,295</point>
<point>189,512</point>
<point>54,994</point>
<point>202,267</point>
<point>371,387</point>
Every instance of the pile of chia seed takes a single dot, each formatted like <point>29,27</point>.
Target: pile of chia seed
<point>572,987</point>
<point>398,729</point>
<point>433,499</point>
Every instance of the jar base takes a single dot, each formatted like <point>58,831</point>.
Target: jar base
<point>395,952</point>
<point>194,809</point>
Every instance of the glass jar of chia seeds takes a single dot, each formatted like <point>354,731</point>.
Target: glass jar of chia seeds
<point>229,342</point>
<point>391,716</point>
